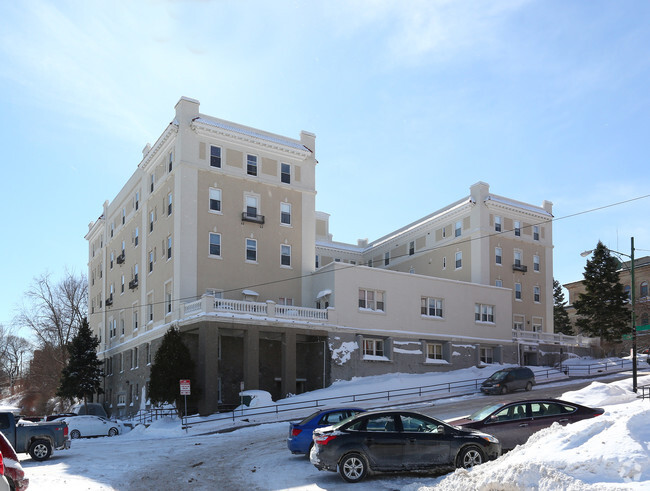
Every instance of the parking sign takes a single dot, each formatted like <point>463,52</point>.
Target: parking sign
<point>185,387</point>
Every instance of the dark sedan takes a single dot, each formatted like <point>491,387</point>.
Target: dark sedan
<point>398,441</point>
<point>513,422</point>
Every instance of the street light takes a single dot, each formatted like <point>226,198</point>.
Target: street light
<point>631,256</point>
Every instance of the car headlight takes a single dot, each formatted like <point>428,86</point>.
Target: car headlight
<point>489,438</point>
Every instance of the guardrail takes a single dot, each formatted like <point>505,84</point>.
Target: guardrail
<point>645,391</point>
<point>585,370</point>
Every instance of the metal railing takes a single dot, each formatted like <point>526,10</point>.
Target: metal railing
<point>553,338</point>
<point>645,391</point>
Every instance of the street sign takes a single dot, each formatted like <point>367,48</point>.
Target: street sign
<point>638,329</point>
<point>185,387</point>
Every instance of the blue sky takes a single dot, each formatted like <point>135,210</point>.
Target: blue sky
<point>412,103</point>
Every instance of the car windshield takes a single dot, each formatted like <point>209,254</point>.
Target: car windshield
<point>481,414</point>
<point>498,376</point>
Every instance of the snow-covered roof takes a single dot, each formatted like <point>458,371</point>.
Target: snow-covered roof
<point>249,132</point>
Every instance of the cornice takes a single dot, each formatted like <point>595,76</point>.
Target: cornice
<point>205,129</point>
<point>172,129</point>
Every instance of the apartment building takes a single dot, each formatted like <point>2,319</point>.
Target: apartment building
<point>216,232</point>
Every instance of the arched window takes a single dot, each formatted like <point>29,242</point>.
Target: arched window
<point>644,289</point>
<point>627,292</point>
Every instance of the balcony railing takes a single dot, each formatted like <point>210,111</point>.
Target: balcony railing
<point>221,306</point>
<point>519,267</point>
<point>252,217</point>
<point>552,338</point>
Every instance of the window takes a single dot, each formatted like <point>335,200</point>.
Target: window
<point>151,256</point>
<point>251,165</point>
<point>135,273</point>
<point>251,206</point>
<point>373,347</point>
<point>444,232</point>
<point>151,219</point>
<point>370,263</point>
<point>537,324</point>
<point>120,358</point>
<point>517,291</point>
<point>137,200</point>
<point>148,352</point>
<point>535,232</point>
<point>497,255</point>
<point>285,255</point>
<point>536,294</point>
<point>215,244</point>
<point>444,263</point>
<point>484,313</point>
<point>518,259</point>
<point>152,180</point>
<point>285,173</point>
<point>434,351</point>
<point>122,285</point>
<point>497,224</point>
<point>135,318</point>
<point>168,298</point>
<point>627,292</point>
<point>169,247</point>
<point>317,261</point>
<point>136,237</point>
<point>458,228</point>
<point>459,259</point>
<point>121,400</point>
<point>518,322</point>
<point>170,161</point>
<point>134,358</point>
<point>486,355</point>
<point>150,307</point>
<point>215,156</point>
<point>123,250</point>
<point>285,213</point>
<point>251,250</point>
<point>517,228</point>
<point>169,204</point>
<point>123,216</point>
<point>111,260</point>
<point>498,283</point>
<point>386,258</point>
<point>536,263</point>
<point>215,200</point>
<point>371,299</point>
<point>285,301</point>
<point>112,228</point>
<point>411,248</point>
<point>643,292</point>
<point>431,307</point>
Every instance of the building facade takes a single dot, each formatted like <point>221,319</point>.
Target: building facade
<point>216,232</point>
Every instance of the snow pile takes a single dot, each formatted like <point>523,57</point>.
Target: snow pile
<point>607,452</point>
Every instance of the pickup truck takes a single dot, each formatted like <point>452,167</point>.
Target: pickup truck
<point>37,439</point>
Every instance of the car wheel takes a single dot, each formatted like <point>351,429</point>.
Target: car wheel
<point>469,457</point>
<point>40,450</point>
<point>504,390</point>
<point>12,484</point>
<point>113,432</point>
<point>529,386</point>
<point>353,467</point>
<point>74,434</point>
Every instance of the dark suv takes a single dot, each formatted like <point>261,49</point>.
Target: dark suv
<point>509,379</point>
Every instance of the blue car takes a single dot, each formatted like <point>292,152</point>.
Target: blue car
<point>300,434</point>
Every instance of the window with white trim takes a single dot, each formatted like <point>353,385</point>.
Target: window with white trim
<point>137,200</point>
<point>317,264</point>
<point>517,258</point>
<point>484,313</point>
<point>535,232</point>
<point>251,165</point>
<point>434,351</point>
<point>285,255</point>
<point>373,347</point>
<point>169,247</point>
<point>168,298</point>
<point>497,224</point>
<point>251,206</point>
<point>536,263</point>
<point>251,250</point>
<point>136,237</point>
<point>170,161</point>
<point>518,322</point>
<point>285,213</point>
<point>517,291</point>
<point>285,173</point>
<point>371,300</point>
<point>215,156</point>
<point>150,307</point>
<point>215,244</point>
<point>148,352</point>
<point>517,228</point>
<point>498,283</point>
<point>169,204</point>
<point>215,200</point>
<point>151,261</point>
<point>643,291</point>
<point>151,220</point>
<point>537,324</point>
<point>431,307</point>
<point>537,294</point>
<point>386,258</point>
<point>411,248</point>
<point>459,259</point>
<point>135,318</point>
<point>498,254</point>
<point>486,355</point>
<point>458,228</point>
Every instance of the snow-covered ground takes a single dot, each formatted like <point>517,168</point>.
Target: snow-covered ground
<point>608,452</point>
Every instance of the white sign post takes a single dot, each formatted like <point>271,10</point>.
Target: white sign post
<point>185,391</point>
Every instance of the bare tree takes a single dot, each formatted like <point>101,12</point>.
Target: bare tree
<point>15,352</point>
<point>54,311</point>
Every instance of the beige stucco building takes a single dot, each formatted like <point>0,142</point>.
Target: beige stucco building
<point>216,232</point>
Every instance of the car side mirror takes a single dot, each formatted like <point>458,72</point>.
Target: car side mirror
<point>440,429</point>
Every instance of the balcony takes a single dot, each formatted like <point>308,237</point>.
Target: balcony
<point>121,258</point>
<point>109,301</point>
<point>133,284</point>
<point>519,267</point>
<point>248,216</point>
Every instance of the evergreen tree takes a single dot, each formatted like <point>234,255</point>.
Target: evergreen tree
<point>82,376</point>
<point>172,363</point>
<point>602,309</point>
<point>561,322</point>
